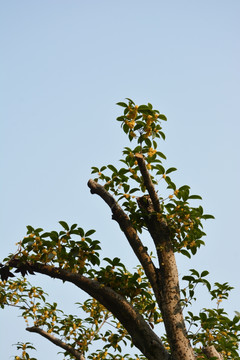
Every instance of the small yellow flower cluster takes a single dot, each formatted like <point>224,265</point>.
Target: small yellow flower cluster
<point>133,112</point>
<point>150,120</point>
<point>159,320</point>
<point>133,172</point>
<point>130,124</point>
<point>132,134</point>
<point>226,353</point>
<point>151,152</point>
<point>148,129</point>
<point>100,356</point>
<point>131,116</point>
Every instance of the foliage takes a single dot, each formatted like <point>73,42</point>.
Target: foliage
<point>74,251</point>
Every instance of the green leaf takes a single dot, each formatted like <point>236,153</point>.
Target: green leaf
<point>125,128</point>
<point>188,277</point>
<point>111,167</point>
<point>139,125</point>
<point>195,197</point>
<point>123,171</point>
<point>38,230</point>
<point>73,227</point>
<point>162,117</point>
<point>194,272</point>
<point>186,253</point>
<point>193,250</point>
<point>90,232</point>
<point>116,261</point>
<point>207,216</point>
<point>171,170</point>
<point>184,187</point>
<point>133,190</point>
<point>148,142</point>
<point>64,225</point>
<point>46,234</point>
<point>203,316</point>
<point>126,187</point>
<point>161,155</point>
<point>27,240</point>
<point>120,118</point>
<point>94,170</point>
<point>200,209</point>
<point>237,313</point>
<point>121,104</point>
<point>204,273</point>
<point>30,229</point>
<point>162,135</point>
<point>81,232</point>
<point>143,108</point>
<point>54,235</point>
<point>160,169</point>
<point>108,260</point>
<point>131,102</point>
<point>154,144</point>
<point>208,285</point>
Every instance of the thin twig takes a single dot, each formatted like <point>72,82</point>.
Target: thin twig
<point>57,342</point>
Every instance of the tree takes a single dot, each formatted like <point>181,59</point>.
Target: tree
<point>145,308</point>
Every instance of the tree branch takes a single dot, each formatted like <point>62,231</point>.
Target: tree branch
<point>148,182</point>
<point>56,341</point>
<point>211,352</point>
<point>142,335</point>
<point>131,234</point>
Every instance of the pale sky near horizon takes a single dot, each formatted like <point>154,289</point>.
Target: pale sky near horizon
<point>64,65</point>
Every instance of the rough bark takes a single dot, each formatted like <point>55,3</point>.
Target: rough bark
<point>211,352</point>
<point>168,284</point>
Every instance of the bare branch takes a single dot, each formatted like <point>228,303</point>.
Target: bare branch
<point>148,182</point>
<point>57,342</point>
<point>131,234</point>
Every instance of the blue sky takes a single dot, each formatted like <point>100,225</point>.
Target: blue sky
<point>64,65</point>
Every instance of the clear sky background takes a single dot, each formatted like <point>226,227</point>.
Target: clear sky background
<point>64,65</point>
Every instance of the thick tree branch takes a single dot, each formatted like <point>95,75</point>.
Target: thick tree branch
<point>148,182</point>
<point>56,341</point>
<point>168,273</point>
<point>142,335</point>
<point>168,283</point>
<point>131,234</point>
